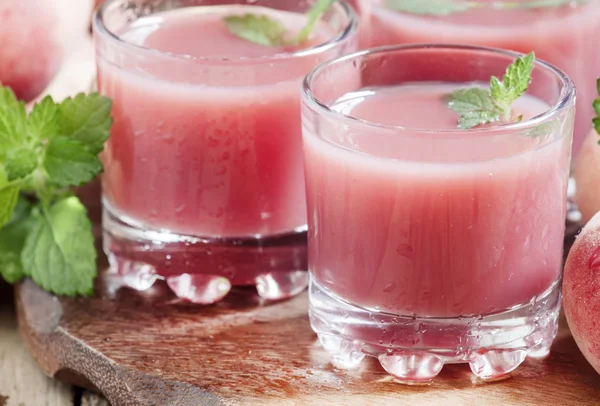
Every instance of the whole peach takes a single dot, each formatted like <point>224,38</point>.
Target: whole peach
<point>35,37</point>
<point>587,175</point>
<point>581,291</point>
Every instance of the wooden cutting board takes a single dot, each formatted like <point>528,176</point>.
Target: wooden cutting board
<point>147,349</point>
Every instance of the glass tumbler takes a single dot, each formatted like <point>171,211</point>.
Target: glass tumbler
<point>429,244</point>
<point>563,33</point>
<point>204,184</point>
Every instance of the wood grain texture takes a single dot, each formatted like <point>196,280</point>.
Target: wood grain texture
<point>146,349</point>
<point>22,383</point>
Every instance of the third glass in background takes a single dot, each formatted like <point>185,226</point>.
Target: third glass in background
<point>564,33</point>
<point>430,244</point>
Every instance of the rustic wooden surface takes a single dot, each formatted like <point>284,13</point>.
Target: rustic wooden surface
<point>146,349</point>
<point>22,382</point>
<point>141,349</point>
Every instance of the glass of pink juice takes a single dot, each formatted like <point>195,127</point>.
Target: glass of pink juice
<point>563,33</point>
<point>429,244</point>
<point>204,183</point>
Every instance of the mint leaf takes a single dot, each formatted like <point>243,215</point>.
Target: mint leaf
<point>9,194</point>
<point>266,31</point>
<point>86,118</point>
<point>259,29</point>
<point>478,106</point>
<point>513,84</point>
<point>12,121</point>
<point>69,163</point>
<point>59,253</point>
<point>12,240</point>
<point>475,107</point>
<point>430,7</point>
<point>41,154</point>
<point>470,100</point>
<point>447,7</point>
<point>20,163</point>
<point>473,119</point>
<point>43,120</point>
<point>546,3</point>
<point>316,11</point>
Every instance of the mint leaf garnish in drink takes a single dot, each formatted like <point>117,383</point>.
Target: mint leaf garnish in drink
<point>44,230</point>
<point>430,7</point>
<point>313,15</point>
<point>267,31</point>
<point>446,7</point>
<point>478,106</point>
<point>259,29</point>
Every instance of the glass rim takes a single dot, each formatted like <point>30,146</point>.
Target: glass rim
<point>505,5</point>
<point>565,100</point>
<point>100,28</point>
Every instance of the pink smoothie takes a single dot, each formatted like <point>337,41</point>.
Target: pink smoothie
<point>564,36</point>
<point>210,147</point>
<point>434,224</point>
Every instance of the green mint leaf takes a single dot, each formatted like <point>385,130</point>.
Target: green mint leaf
<point>514,83</point>
<point>43,121</point>
<point>475,118</point>
<point>447,7</point>
<point>12,121</point>
<point>59,253</point>
<point>316,11</point>
<point>478,106</point>
<point>86,118</point>
<point>20,163</point>
<point>12,240</point>
<point>475,107</point>
<point>9,194</point>
<point>545,3</point>
<point>430,7</point>
<point>259,29</point>
<point>69,163</point>
<point>470,100</point>
<point>596,105</point>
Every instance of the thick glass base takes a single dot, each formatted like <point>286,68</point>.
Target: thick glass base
<point>203,270</point>
<point>414,349</point>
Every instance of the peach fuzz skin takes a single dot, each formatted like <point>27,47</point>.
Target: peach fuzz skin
<point>35,38</point>
<point>587,175</point>
<point>581,291</point>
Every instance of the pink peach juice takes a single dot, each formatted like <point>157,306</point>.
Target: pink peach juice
<point>197,159</point>
<point>565,36</point>
<point>431,244</point>
<point>417,224</point>
<point>203,169</point>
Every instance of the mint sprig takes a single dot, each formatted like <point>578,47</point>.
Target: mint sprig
<point>447,7</point>
<point>478,106</point>
<point>263,30</point>
<point>45,233</point>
